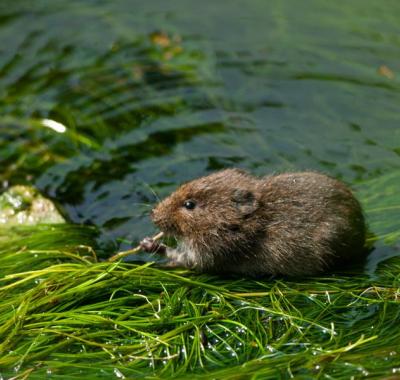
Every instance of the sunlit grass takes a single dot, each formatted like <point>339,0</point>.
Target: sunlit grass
<point>62,312</point>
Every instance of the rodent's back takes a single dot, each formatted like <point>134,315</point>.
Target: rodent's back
<point>314,222</point>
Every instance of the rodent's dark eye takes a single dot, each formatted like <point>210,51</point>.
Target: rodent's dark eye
<point>189,204</point>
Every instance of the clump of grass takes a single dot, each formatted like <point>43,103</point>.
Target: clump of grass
<point>64,313</point>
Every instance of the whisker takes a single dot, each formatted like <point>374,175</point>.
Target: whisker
<point>142,204</point>
<point>152,191</point>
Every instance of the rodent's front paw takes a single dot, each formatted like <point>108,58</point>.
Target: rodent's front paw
<point>151,246</point>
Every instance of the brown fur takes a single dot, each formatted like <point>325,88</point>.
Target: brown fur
<point>290,224</point>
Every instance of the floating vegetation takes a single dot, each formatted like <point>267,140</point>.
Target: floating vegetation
<point>64,313</point>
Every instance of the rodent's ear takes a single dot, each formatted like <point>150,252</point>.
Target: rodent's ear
<point>245,201</point>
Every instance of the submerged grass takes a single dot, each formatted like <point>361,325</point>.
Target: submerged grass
<point>66,315</point>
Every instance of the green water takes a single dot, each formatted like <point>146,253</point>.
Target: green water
<point>156,93</point>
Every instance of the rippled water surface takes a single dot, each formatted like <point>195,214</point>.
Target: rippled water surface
<point>156,93</point>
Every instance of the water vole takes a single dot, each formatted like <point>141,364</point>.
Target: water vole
<point>289,224</point>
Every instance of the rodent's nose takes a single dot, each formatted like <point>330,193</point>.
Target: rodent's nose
<point>154,216</point>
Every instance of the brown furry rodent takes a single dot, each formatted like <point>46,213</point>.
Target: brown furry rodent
<point>290,224</point>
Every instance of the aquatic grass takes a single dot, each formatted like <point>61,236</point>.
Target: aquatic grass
<point>150,106</point>
<point>64,313</point>
<point>67,313</point>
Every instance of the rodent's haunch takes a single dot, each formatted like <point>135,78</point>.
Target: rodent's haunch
<point>290,224</point>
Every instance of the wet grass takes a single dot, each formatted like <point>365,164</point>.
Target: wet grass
<point>65,314</point>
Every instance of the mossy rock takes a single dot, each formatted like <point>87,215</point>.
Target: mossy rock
<point>24,205</point>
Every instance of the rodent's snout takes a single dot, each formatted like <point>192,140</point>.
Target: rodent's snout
<point>155,216</point>
<point>161,219</point>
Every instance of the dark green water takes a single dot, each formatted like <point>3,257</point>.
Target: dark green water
<point>156,93</point>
